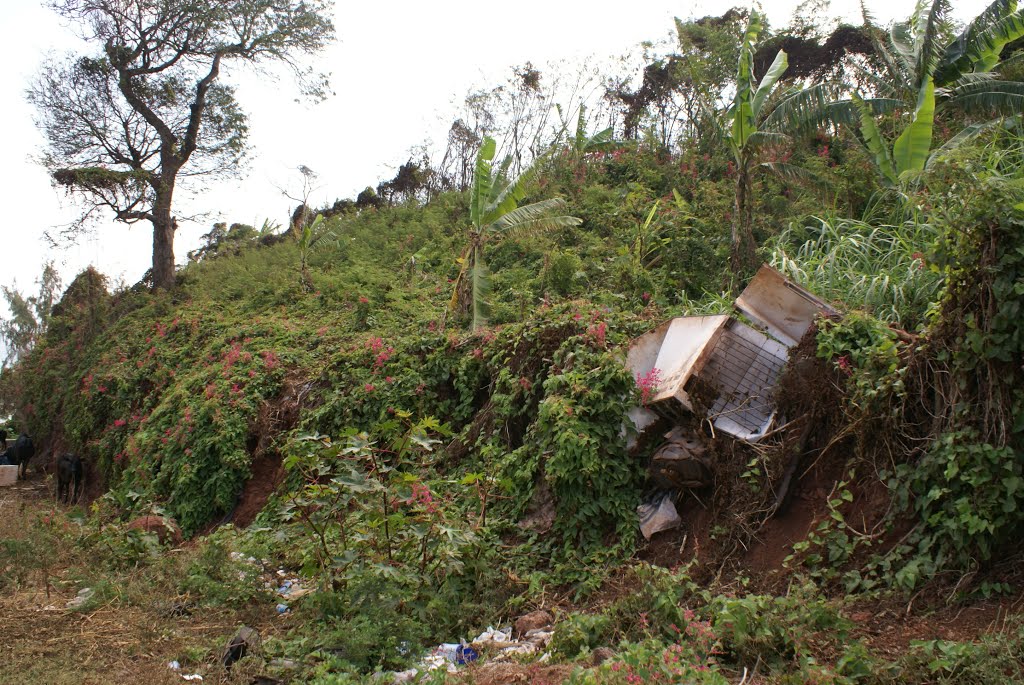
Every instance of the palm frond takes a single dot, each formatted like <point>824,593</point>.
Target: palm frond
<point>536,216</point>
<point>978,46</point>
<point>532,227</point>
<point>602,140</point>
<point>968,134</point>
<point>810,110</point>
<point>927,48</point>
<point>896,54</point>
<point>957,59</point>
<point>741,114</point>
<point>768,81</point>
<point>901,36</point>
<point>985,48</point>
<point>874,141</point>
<point>796,174</point>
<point>762,138</point>
<point>910,151</point>
<point>511,194</point>
<point>1003,102</point>
<point>320,239</point>
<point>867,16</point>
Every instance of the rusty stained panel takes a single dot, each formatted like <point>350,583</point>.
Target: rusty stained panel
<point>785,309</point>
<point>720,368</point>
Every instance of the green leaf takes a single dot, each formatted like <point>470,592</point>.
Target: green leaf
<point>482,180</point>
<point>910,151</point>
<point>771,77</point>
<point>875,143</point>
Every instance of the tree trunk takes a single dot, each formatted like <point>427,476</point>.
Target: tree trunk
<point>164,226</point>
<point>742,253</point>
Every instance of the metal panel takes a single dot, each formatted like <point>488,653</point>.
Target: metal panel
<point>782,307</point>
<point>743,368</point>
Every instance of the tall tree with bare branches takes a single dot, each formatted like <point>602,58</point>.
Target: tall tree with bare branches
<point>149,108</point>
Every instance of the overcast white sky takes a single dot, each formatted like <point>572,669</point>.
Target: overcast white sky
<point>399,69</point>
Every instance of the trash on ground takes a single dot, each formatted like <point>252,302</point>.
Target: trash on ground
<point>658,515</point>
<point>507,647</point>
<point>719,370</point>
<point>680,463</point>
<point>456,653</point>
<point>84,595</point>
<point>498,645</point>
<point>244,641</point>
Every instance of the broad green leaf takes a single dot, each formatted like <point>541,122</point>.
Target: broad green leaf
<point>775,72</point>
<point>482,180</point>
<point>910,151</point>
<point>984,50</point>
<point>874,141</point>
<point>742,111</point>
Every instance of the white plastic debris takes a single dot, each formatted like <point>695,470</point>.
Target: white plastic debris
<point>174,665</point>
<point>507,647</point>
<point>407,676</point>
<point>658,516</point>
<point>84,595</point>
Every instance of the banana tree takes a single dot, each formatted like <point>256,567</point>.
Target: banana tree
<point>494,213</point>
<point>921,73</point>
<point>745,135</point>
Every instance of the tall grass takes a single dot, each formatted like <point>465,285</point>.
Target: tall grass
<point>881,268</point>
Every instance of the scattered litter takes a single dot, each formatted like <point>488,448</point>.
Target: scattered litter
<point>456,653</point>
<point>174,665</point>
<point>658,515</point>
<point>245,640</point>
<point>292,588</point>
<point>84,595</point>
<point>192,676</point>
<point>435,662</point>
<point>406,676</point>
<point>680,463</point>
<point>283,608</point>
<point>498,643</point>
<point>531,642</point>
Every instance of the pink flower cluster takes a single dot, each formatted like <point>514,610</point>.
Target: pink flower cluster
<point>422,496</point>
<point>649,384</point>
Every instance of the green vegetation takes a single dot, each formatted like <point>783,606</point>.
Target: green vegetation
<point>423,476</point>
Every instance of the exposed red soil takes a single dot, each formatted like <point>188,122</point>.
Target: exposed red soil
<point>888,626</point>
<point>506,674</point>
<point>267,474</point>
<point>165,529</point>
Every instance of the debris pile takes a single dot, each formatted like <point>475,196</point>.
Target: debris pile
<point>720,371</point>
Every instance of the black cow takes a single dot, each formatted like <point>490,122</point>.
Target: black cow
<point>69,478</point>
<point>20,453</point>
